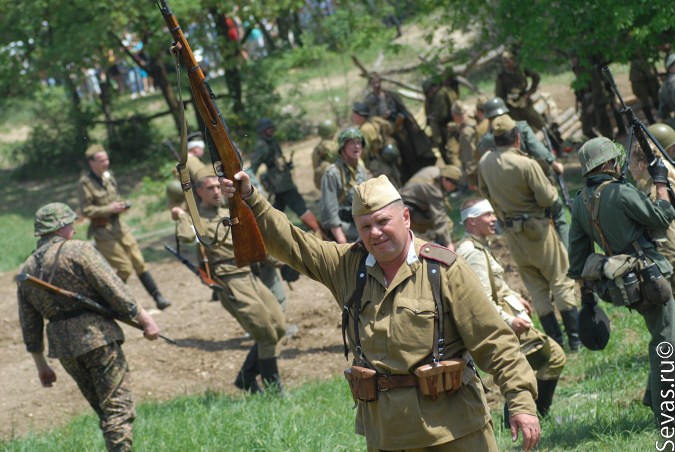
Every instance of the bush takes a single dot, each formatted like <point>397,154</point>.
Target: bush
<point>135,139</point>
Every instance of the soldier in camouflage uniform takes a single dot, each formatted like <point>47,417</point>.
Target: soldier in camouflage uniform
<point>667,94</point>
<point>87,344</point>
<point>512,86</point>
<point>425,196</point>
<point>396,325</point>
<point>277,178</point>
<point>337,186</point>
<point>626,217</point>
<point>102,204</point>
<point>520,193</point>
<point>245,296</point>
<point>380,154</point>
<point>325,152</point>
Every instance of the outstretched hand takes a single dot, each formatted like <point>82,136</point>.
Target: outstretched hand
<point>529,425</point>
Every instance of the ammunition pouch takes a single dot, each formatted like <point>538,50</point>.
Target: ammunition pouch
<point>535,229</point>
<point>362,382</point>
<point>444,376</point>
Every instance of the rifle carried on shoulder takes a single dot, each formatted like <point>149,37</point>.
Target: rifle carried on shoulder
<point>640,133</point>
<point>203,276</point>
<point>84,302</point>
<point>559,177</point>
<point>225,157</point>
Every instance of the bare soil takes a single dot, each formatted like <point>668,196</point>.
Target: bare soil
<point>211,345</point>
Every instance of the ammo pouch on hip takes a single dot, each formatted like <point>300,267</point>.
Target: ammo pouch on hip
<point>535,228</point>
<point>444,376</point>
<point>362,383</point>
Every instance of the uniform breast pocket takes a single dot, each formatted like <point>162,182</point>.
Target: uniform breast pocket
<point>412,325</point>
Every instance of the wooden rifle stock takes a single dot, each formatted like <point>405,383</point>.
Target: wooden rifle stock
<point>248,242</point>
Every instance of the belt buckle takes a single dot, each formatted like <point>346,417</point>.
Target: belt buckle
<point>378,385</point>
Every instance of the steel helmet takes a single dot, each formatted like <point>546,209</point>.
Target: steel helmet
<point>495,107</point>
<point>327,129</point>
<point>52,217</point>
<point>350,133</point>
<point>390,153</point>
<point>596,152</point>
<point>663,133</point>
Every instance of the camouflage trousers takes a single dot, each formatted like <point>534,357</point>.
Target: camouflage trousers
<point>102,377</point>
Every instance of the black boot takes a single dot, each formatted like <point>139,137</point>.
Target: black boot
<point>545,389</point>
<point>552,328</point>
<point>507,418</point>
<point>571,321</point>
<point>149,284</point>
<point>246,378</point>
<point>270,374</point>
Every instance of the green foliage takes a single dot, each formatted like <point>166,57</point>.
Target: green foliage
<point>54,143</point>
<point>135,139</point>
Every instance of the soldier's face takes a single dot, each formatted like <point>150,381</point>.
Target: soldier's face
<point>351,153</point>
<point>99,163</point>
<point>385,232</point>
<point>484,225</point>
<point>209,192</point>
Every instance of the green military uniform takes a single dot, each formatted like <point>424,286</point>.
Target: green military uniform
<point>112,236</point>
<point>396,328</point>
<point>425,199</point>
<point>245,296</point>
<point>337,192</point>
<point>322,156</point>
<point>478,254</point>
<point>520,193</point>
<point>644,81</point>
<point>88,345</point>
<point>277,179</point>
<point>377,133</point>
<point>667,100</point>
<point>511,86</point>
<point>530,145</point>
<point>625,215</point>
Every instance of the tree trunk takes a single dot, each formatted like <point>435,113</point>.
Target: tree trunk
<point>231,52</point>
<point>79,118</point>
<point>106,108</point>
<point>159,74</point>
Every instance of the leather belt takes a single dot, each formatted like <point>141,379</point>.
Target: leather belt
<point>385,382</point>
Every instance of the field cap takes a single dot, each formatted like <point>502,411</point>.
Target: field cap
<point>451,172</point>
<point>93,150</point>
<point>373,194</point>
<point>502,124</point>
<point>204,172</point>
<point>360,109</point>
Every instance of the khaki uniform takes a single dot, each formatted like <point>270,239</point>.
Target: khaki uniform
<point>463,141</point>
<point>396,328</point>
<point>377,132</point>
<point>625,215</point>
<point>482,128</point>
<point>245,296</point>
<point>423,196</point>
<point>86,344</point>
<point>516,187</point>
<point>438,116</point>
<point>112,236</point>
<point>322,156</point>
<point>194,164</point>
<point>478,254</point>
<point>511,85</point>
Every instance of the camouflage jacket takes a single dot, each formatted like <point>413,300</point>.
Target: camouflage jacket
<point>278,178</point>
<point>95,195</point>
<point>81,269</point>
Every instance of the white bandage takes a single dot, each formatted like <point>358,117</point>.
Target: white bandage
<point>195,144</point>
<point>476,210</point>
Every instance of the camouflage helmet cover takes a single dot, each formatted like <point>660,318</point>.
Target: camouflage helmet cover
<point>596,152</point>
<point>52,217</point>
<point>350,133</point>
<point>663,133</point>
<point>495,107</point>
<point>327,129</point>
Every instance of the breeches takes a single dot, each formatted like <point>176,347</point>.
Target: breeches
<point>256,309</point>
<point>123,255</point>
<point>102,377</point>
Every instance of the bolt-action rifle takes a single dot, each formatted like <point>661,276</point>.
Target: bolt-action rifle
<point>640,133</point>
<point>203,276</point>
<point>226,159</point>
<point>559,177</point>
<point>84,302</point>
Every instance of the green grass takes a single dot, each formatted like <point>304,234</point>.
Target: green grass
<point>597,407</point>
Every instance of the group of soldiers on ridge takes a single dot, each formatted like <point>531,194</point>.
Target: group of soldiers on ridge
<point>416,318</point>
